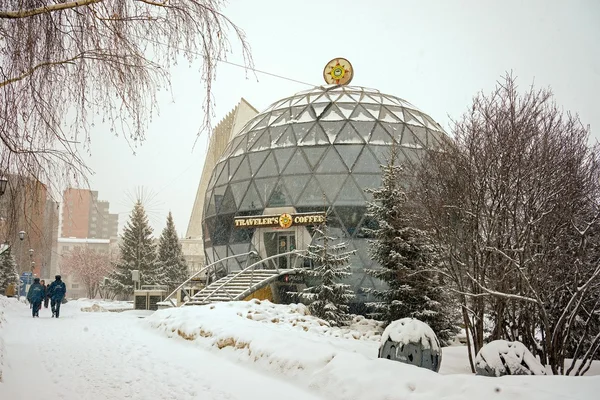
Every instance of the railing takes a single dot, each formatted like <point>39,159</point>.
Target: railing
<point>168,298</point>
<point>250,267</point>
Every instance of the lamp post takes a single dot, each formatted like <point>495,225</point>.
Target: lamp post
<point>21,237</point>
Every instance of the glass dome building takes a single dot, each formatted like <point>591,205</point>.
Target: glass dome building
<point>315,151</point>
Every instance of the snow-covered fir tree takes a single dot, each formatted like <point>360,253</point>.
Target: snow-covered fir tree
<point>137,252</point>
<point>172,266</point>
<point>407,257</point>
<point>329,298</point>
<point>8,269</point>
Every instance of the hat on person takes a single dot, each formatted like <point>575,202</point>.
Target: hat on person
<point>36,280</point>
<point>57,277</point>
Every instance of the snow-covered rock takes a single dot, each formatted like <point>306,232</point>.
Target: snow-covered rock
<point>411,341</point>
<point>500,357</point>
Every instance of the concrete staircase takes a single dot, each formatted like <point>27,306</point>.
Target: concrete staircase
<point>235,286</point>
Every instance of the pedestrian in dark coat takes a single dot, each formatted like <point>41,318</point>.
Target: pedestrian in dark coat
<point>46,293</point>
<point>35,295</point>
<point>57,290</point>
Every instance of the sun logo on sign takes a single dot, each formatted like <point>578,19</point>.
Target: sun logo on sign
<point>338,71</point>
<point>285,221</point>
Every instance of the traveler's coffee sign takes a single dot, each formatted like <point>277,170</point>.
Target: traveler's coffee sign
<point>279,221</point>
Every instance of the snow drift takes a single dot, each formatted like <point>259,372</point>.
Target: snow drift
<point>340,364</point>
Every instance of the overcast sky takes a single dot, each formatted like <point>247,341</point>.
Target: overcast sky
<point>435,54</point>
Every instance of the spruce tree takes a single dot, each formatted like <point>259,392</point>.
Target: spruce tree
<point>407,256</point>
<point>8,269</point>
<point>137,252</point>
<point>172,265</point>
<point>329,298</point>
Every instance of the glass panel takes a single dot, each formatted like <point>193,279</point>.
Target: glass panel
<point>386,116</point>
<point>265,187</point>
<point>209,227</point>
<point>295,184</point>
<point>373,109</point>
<point>263,142</point>
<point>321,108</point>
<point>332,114</point>
<point>253,135</point>
<point>331,185</point>
<point>345,98</point>
<point>283,156</point>
<point>259,122</point>
<point>277,131</point>
<point>287,139</point>
<point>346,109</point>
<point>279,197</point>
<point>306,116</point>
<point>315,136</point>
<point>418,117</point>
<point>243,172</point>
<point>232,145</point>
<point>242,236</point>
<point>410,119</point>
<point>349,153</point>
<point>332,129</point>
<point>390,100</point>
<point>223,177</point>
<point>234,163</point>
<point>300,100</point>
<point>408,139</point>
<point>210,210</point>
<point>268,168</point>
<point>312,195</point>
<point>218,194</point>
<point>420,135</point>
<point>350,194</point>
<point>313,154</point>
<point>348,135</point>
<point>256,160</point>
<point>364,129</point>
<point>239,190</point>
<point>380,136</point>
<point>228,202</point>
<point>360,114</point>
<point>300,130</point>
<point>332,163</point>
<point>283,118</point>
<point>350,217</point>
<point>367,181</point>
<point>398,113</point>
<point>382,153</point>
<point>222,229</point>
<point>251,200</point>
<point>274,115</point>
<point>297,165</point>
<point>367,162</point>
<point>394,130</point>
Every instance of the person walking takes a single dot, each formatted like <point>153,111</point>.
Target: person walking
<point>57,290</point>
<point>35,295</point>
<point>46,293</point>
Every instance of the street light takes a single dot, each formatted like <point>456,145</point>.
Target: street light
<point>21,237</point>
<point>3,184</point>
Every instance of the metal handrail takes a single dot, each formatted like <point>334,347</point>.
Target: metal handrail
<point>298,252</point>
<point>204,269</point>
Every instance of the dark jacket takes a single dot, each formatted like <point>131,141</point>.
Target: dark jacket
<point>57,290</point>
<point>36,293</point>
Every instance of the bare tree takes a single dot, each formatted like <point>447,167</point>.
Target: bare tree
<point>89,267</point>
<point>66,66</point>
<point>513,202</point>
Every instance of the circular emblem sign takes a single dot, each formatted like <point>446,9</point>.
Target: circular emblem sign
<point>285,221</point>
<point>338,71</point>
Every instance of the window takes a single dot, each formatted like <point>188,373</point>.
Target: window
<point>75,286</point>
<point>66,248</point>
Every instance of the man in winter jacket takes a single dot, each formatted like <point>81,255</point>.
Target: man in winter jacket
<point>35,295</point>
<point>57,291</point>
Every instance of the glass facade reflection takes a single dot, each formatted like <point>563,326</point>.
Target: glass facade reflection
<point>314,151</point>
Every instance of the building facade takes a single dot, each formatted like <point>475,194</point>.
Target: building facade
<point>192,245</point>
<point>84,216</point>
<point>315,151</point>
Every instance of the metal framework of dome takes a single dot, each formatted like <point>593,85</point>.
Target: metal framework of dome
<point>318,149</point>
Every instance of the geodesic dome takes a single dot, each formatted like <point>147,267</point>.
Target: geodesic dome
<point>318,149</point>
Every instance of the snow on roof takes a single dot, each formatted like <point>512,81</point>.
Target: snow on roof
<point>86,240</point>
<point>411,330</point>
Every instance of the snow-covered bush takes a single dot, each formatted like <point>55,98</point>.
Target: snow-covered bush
<point>501,357</point>
<point>411,341</point>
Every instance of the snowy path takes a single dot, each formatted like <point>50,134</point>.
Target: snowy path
<point>114,356</point>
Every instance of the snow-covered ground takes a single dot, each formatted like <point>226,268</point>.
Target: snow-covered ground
<point>241,350</point>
